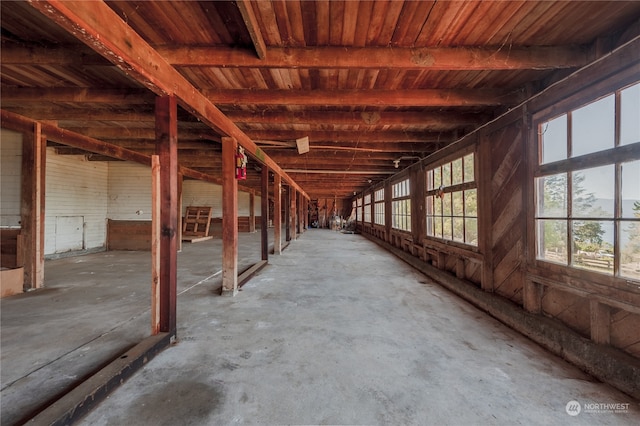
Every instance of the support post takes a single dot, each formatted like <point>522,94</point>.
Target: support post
<point>287,215</point>
<point>292,214</point>
<point>167,150</point>
<point>264,212</point>
<point>229,218</point>
<point>252,214</point>
<point>32,206</point>
<point>277,214</point>
<point>156,237</point>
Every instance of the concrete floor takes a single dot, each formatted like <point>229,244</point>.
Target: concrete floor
<point>334,331</point>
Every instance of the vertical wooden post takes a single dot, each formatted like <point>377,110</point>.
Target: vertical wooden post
<point>600,323</point>
<point>180,181</point>
<point>32,206</point>
<point>252,214</point>
<point>387,210</point>
<point>277,214</point>
<point>287,215</point>
<point>264,212</point>
<point>229,218</point>
<point>167,150</point>
<point>485,212</point>
<point>418,205</point>
<point>156,236</point>
<point>292,214</point>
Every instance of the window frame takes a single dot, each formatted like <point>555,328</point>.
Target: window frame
<point>571,165</point>
<point>379,207</point>
<point>366,208</point>
<point>437,194</point>
<point>401,205</point>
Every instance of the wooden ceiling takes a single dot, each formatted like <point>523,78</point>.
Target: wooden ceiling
<point>369,82</point>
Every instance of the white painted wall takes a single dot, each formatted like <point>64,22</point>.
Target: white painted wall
<point>10,178</point>
<point>75,193</point>
<point>198,193</point>
<point>129,191</point>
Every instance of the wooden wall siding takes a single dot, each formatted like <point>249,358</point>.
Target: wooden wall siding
<point>473,272</point>
<point>75,188</point>
<point>128,235</point>
<point>624,331</point>
<point>508,218</point>
<point>10,177</point>
<point>572,310</point>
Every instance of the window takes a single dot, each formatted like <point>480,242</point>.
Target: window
<point>588,186</point>
<point>359,208</point>
<point>378,207</point>
<point>452,201</point>
<point>401,206</point>
<point>367,208</point>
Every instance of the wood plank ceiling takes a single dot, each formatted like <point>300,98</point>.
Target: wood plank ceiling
<point>369,82</point>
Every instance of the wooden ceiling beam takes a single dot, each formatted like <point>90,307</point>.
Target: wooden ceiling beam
<point>464,58</point>
<point>382,98</point>
<point>78,94</point>
<point>432,119</point>
<point>355,137</point>
<point>100,28</point>
<point>249,18</point>
<point>132,133</point>
<point>436,119</point>
<point>350,136</point>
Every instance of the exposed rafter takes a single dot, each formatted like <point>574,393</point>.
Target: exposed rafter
<point>99,27</point>
<point>436,58</point>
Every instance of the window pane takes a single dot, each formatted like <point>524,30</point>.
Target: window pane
<point>593,127</point>
<point>429,205</point>
<point>430,180</point>
<point>430,225</point>
<point>631,189</point>
<point>446,204</point>
<point>593,191</point>
<point>457,171</point>
<point>447,228</point>
<point>593,245</point>
<point>552,240</point>
<point>458,204</point>
<point>458,229</point>
<point>471,203</point>
<point>630,249</point>
<point>468,168</point>
<point>437,227</point>
<point>553,135</point>
<point>630,113</point>
<point>471,231</point>
<point>437,206</point>
<point>552,195</point>
<point>437,177</point>
<point>446,175</point>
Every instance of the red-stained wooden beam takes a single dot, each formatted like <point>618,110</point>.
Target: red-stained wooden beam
<point>167,149</point>
<point>277,215</point>
<point>425,58</point>
<point>264,213</point>
<point>98,26</point>
<point>385,98</point>
<point>229,219</point>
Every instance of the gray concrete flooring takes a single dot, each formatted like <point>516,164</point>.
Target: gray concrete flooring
<point>334,331</point>
<point>93,308</point>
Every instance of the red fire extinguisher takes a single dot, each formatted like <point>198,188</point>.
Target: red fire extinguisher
<point>241,164</point>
